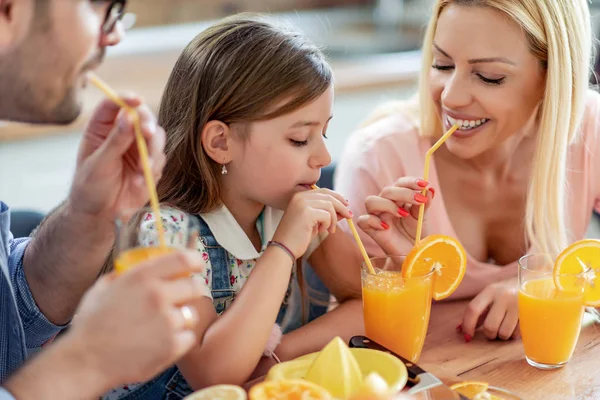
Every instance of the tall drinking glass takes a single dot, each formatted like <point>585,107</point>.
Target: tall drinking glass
<point>550,317</point>
<point>396,309</point>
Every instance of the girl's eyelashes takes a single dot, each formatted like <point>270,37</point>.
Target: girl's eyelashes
<point>299,143</point>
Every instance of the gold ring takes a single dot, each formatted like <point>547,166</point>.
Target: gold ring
<point>188,317</point>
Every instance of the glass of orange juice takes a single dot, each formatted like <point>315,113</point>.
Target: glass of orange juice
<point>549,316</point>
<point>138,237</point>
<point>396,309</point>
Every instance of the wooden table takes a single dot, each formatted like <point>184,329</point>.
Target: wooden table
<point>503,364</point>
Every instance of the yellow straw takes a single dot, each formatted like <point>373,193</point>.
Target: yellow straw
<point>426,177</point>
<point>358,242</point>
<point>142,149</point>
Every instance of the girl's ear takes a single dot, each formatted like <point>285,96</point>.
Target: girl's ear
<point>216,141</point>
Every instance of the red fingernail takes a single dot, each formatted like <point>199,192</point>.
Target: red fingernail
<point>422,183</point>
<point>432,190</point>
<point>420,198</point>
<point>402,212</point>
<point>384,225</point>
<point>468,337</point>
<point>459,328</point>
<point>350,212</point>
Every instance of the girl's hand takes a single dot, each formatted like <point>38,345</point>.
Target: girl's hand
<point>307,214</point>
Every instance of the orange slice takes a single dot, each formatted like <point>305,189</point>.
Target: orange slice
<point>582,257</point>
<point>442,254</point>
<point>471,390</point>
<point>293,389</point>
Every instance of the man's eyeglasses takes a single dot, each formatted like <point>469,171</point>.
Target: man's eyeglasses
<point>115,13</point>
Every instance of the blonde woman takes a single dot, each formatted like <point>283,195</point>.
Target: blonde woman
<point>519,174</point>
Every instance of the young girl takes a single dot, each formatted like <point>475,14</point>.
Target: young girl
<point>246,111</point>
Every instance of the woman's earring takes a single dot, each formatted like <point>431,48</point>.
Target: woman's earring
<point>224,168</point>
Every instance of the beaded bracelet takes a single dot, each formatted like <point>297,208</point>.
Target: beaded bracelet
<point>284,248</point>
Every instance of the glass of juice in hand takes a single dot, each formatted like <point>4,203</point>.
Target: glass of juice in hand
<point>550,313</point>
<point>396,309</point>
<point>140,237</point>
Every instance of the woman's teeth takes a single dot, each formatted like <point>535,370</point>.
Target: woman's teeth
<point>465,125</point>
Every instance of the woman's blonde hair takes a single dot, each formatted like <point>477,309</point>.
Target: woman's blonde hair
<point>560,37</point>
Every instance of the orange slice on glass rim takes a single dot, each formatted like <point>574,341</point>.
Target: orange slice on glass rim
<point>442,254</point>
<point>474,390</point>
<point>581,258</point>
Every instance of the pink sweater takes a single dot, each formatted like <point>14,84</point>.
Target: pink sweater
<point>377,155</point>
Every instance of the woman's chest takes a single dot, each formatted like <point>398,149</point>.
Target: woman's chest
<point>487,219</point>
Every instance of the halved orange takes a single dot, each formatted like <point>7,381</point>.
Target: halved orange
<point>222,392</point>
<point>582,257</point>
<point>292,389</point>
<point>442,254</point>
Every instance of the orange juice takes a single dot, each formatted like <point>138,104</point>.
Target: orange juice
<point>130,258</point>
<point>550,321</point>
<point>396,311</point>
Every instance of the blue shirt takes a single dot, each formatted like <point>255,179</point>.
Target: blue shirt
<point>23,327</point>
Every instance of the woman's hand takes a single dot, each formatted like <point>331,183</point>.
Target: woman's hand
<point>495,309</point>
<point>393,214</point>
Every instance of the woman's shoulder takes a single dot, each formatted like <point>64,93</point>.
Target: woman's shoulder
<point>591,115</point>
<point>589,134</point>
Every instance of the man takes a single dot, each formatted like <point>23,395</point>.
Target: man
<point>129,328</point>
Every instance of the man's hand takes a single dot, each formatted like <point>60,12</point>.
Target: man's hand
<point>109,175</point>
<point>67,253</point>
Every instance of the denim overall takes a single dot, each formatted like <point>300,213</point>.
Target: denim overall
<point>170,384</point>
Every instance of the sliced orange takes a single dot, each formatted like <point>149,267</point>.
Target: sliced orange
<point>292,389</point>
<point>582,257</point>
<point>470,389</point>
<point>442,254</point>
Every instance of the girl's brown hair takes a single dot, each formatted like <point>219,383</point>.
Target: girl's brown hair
<point>242,69</point>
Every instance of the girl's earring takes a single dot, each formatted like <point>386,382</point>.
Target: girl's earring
<point>223,168</point>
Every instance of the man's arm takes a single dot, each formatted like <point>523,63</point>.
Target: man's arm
<point>63,371</point>
<point>63,259</point>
